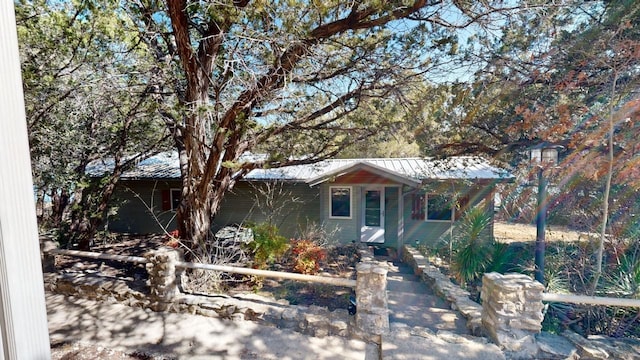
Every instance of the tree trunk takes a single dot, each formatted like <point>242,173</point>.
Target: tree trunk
<point>607,190</point>
<point>59,203</point>
<point>91,207</point>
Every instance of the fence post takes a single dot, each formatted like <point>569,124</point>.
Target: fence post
<point>372,316</point>
<point>512,312</point>
<point>48,259</point>
<point>163,284</point>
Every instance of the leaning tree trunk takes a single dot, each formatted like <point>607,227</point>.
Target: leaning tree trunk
<point>91,210</point>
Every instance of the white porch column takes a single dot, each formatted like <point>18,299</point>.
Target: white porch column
<point>23,317</point>
<point>400,222</point>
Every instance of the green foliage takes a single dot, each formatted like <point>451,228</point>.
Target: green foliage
<point>623,280</point>
<point>570,268</point>
<point>307,256</point>
<point>475,252</point>
<point>268,245</point>
<point>88,96</point>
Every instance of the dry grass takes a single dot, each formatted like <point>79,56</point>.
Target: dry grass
<point>510,232</point>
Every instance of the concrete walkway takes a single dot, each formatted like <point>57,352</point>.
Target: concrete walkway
<point>422,326</point>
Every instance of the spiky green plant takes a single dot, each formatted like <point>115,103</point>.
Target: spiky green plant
<point>473,247</point>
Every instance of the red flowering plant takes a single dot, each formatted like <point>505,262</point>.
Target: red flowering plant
<point>307,256</point>
<point>173,239</point>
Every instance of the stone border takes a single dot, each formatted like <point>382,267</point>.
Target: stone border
<point>311,320</point>
<point>162,294</point>
<point>444,288</point>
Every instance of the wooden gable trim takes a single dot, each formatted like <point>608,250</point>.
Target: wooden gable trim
<point>363,177</point>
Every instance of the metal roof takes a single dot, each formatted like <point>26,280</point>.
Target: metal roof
<point>166,166</point>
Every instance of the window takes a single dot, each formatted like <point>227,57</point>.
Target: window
<point>340,199</point>
<point>417,206</point>
<point>176,194</point>
<point>438,207</point>
<point>171,199</point>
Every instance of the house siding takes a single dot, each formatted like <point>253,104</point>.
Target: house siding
<point>140,207</point>
<point>294,205</point>
<point>434,233</point>
<point>391,216</point>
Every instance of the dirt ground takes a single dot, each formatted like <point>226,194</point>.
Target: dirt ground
<point>82,351</point>
<point>340,262</point>
<point>511,232</point>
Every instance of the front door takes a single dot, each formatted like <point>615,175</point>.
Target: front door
<point>372,230</point>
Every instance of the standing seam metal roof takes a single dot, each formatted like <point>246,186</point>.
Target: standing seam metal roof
<point>166,166</point>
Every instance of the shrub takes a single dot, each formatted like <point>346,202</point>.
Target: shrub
<point>268,245</point>
<point>307,256</point>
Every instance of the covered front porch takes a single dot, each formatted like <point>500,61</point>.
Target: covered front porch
<point>365,203</point>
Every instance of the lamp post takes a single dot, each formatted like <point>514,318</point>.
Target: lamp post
<point>542,156</point>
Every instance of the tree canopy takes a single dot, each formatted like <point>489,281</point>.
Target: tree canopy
<point>88,96</point>
<point>292,78</point>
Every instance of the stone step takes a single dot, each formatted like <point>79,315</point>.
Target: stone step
<point>405,342</point>
<point>411,287</point>
<point>431,318</point>
<point>394,276</point>
<point>410,298</point>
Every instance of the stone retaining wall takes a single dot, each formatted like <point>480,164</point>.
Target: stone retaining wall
<point>513,320</point>
<point>313,320</point>
<point>161,293</point>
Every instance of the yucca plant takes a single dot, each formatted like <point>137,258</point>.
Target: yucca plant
<point>473,249</point>
<point>624,281</point>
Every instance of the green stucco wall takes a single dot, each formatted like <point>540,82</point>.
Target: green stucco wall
<point>438,233</point>
<point>290,206</point>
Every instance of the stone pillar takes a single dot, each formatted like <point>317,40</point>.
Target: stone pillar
<point>512,312</point>
<point>372,316</point>
<point>163,283</point>
<point>48,260</point>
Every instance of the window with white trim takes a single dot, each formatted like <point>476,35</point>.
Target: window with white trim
<point>340,200</point>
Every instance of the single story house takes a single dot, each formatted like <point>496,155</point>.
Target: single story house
<point>387,201</point>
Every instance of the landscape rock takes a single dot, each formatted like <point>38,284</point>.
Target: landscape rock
<point>552,347</point>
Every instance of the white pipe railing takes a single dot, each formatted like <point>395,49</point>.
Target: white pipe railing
<point>271,274</point>
<point>223,268</point>
<point>590,300</point>
<point>93,255</point>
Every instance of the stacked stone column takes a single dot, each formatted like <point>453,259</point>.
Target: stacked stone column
<point>512,312</point>
<point>48,260</point>
<point>163,283</point>
<point>372,316</point>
